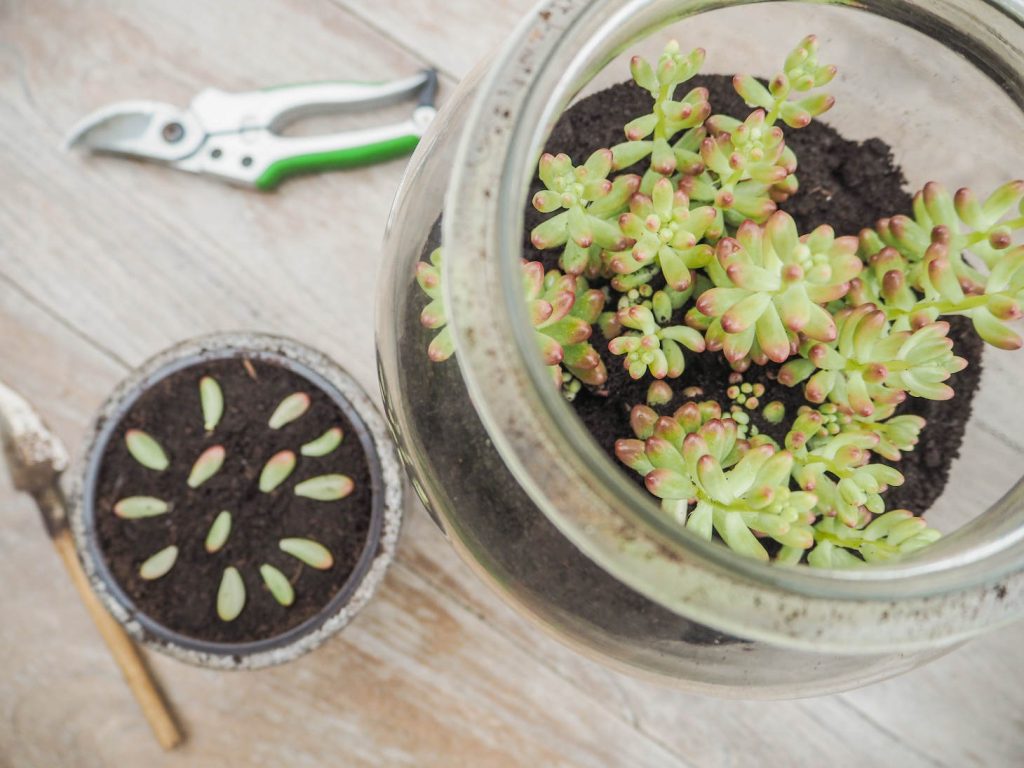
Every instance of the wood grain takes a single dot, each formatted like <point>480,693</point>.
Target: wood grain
<point>104,262</point>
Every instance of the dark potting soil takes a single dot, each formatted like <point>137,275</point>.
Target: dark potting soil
<point>845,184</point>
<point>184,600</point>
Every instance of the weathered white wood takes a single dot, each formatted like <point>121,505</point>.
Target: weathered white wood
<point>453,36</point>
<point>883,731</point>
<point>104,262</point>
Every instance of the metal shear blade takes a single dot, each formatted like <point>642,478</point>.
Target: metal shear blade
<point>235,136</point>
<point>149,130</point>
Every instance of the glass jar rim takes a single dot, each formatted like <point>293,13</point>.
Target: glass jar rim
<point>919,602</point>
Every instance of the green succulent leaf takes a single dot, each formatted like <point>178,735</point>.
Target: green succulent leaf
<point>158,565</point>
<point>146,450</point>
<point>211,400</point>
<point>278,585</point>
<point>325,487</point>
<point>312,553</point>
<point>136,507</point>
<point>206,466</point>
<point>289,409</point>
<point>219,531</point>
<point>276,471</point>
<point>327,443</point>
<point>230,595</point>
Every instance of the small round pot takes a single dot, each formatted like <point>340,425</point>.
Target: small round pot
<point>386,513</point>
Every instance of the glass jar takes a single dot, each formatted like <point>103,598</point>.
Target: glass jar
<point>529,499</point>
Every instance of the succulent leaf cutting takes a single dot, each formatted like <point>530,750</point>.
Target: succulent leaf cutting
<point>159,564</point>
<point>324,444</point>
<point>211,400</point>
<point>679,225</point>
<point>207,465</point>
<point>220,529</point>
<point>276,470</point>
<point>145,450</point>
<point>133,507</point>
<point>277,476</point>
<point>289,409</point>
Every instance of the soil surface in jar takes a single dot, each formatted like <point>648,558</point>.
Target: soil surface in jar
<point>845,184</point>
<point>184,600</point>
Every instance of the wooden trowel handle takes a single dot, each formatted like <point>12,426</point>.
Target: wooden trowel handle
<point>124,651</point>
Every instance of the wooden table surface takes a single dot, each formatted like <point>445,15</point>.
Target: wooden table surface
<point>103,263</point>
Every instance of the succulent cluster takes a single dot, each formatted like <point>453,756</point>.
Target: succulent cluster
<point>712,481</point>
<point>563,310</point>
<point>231,595</point>
<point>680,224</point>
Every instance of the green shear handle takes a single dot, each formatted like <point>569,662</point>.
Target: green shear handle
<point>288,156</point>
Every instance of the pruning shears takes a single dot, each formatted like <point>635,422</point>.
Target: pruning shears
<point>236,138</point>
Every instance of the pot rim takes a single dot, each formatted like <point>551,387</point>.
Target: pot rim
<point>386,515</point>
<point>922,602</point>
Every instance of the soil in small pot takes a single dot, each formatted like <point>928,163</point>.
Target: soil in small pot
<point>185,598</point>
<point>846,184</point>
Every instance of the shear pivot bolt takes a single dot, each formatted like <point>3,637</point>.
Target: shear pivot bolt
<point>173,132</point>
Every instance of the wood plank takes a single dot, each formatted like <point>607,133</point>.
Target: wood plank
<point>711,731</point>
<point>966,709</point>
<point>453,36</point>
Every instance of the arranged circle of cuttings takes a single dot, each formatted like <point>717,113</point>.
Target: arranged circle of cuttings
<point>234,500</point>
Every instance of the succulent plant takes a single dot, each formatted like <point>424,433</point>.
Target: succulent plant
<point>710,481</point>
<point>136,507</point>
<point>869,365</point>
<point>746,166</point>
<point>838,468</point>
<point>801,73</point>
<point>278,584</point>
<point>649,347</point>
<point>231,595</point>
<point>288,410</point>
<point>206,466</point>
<point>159,564</point>
<point>146,450</point>
<point>563,310</point>
<point>276,470</point>
<point>954,256</point>
<point>585,202</point>
<point>433,315</point>
<point>887,537</point>
<point>211,400</point>
<point>323,445</point>
<point>896,434</point>
<point>312,553</point>
<point>220,529</point>
<point>666,232</point>
<point>659,393</point>
<point>656,134</point>
<point>696,254</point>
<point>771,284</point>
<point>746,169</point>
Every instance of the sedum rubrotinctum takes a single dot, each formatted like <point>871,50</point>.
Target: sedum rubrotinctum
<point>697,257</point>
